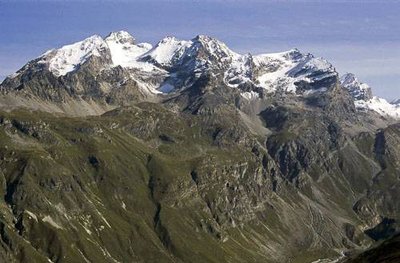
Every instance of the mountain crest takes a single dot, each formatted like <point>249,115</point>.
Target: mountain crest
<point>364,99</point>
<point>121,37</point>
<point>166,52</point>
<point>214,47</point>
<point>67,58</point>
<point>359,90</point>
<point>174,65</point>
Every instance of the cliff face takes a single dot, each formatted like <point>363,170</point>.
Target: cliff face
<point>197,154</point>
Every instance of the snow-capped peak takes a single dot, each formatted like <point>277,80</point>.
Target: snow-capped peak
<point>348,78</point>
<point>68,58</point>
<point>124,51</point>
<point>213,47</point>
<point>119,45</point>
<point>121,37</point>
<point>171,51</point>
<point>363,99</point>
<point>359,90</point>
<point>283,70</point>
<point>167,51</point>
<point>291,55</point>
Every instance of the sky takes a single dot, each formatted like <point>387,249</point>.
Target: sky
<point>362,37</point>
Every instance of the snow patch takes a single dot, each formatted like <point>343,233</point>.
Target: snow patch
<point>146,85</point>
<point>240,70</point>
<point>250,95</point>
<point>274,68</point>
<point>381,106</point>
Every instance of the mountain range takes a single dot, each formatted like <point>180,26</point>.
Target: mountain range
<point>118,151</point>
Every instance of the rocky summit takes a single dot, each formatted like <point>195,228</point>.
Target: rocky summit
<point>117,151</point>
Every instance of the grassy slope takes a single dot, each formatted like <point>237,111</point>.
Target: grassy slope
<point>144,184</point>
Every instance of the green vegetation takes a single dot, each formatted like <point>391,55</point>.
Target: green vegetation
<point>145,184</point>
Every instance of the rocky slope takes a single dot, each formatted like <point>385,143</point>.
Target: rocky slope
<point>117,151</point>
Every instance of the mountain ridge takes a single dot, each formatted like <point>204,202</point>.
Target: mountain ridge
<point>172,65</point>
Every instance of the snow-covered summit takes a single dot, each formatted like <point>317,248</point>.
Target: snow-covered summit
<point>120,37</point>
<point>365,101</point>
<point>68,58</point>
<point>120,46</point>
<point>124,51</point>
<point>359,90</point>
<point>285,70</point>
<point>201,52</point>
<point>167,51</point>
<point>213,47</point>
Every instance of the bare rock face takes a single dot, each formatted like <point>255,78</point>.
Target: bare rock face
<point>117,151</point>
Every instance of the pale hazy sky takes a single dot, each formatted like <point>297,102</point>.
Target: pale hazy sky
<point>362,37</point>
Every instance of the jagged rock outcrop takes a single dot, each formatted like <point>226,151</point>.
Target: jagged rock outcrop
<point>357,89</point>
